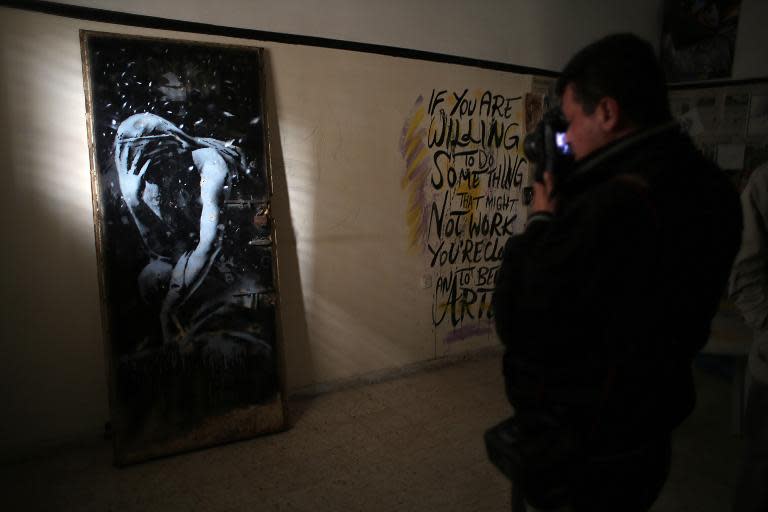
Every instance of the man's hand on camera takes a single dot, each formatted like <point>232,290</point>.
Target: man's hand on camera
<point>542,194</point>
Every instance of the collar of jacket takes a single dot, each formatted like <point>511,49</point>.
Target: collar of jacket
<point>619,148</point>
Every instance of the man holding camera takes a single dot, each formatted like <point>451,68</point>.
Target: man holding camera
<point>606,297</point>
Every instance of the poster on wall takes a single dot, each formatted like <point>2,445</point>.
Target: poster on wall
<point>181,185</point>
<point>698,38</point>
<point>758,116</point>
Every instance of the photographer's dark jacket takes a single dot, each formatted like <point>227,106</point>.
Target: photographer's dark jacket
<point>603,305</point>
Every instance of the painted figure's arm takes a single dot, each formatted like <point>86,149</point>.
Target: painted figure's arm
<point>133,185</point>
<point>193,266</point>
<point>139,142</point>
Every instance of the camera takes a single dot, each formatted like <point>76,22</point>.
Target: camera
<point>546,146</point>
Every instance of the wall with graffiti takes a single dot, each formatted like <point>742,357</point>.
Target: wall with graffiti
<point>464,173</point>
<point>403,182</point>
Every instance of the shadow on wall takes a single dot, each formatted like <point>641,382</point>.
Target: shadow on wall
<point>297,362</point>
<point>52,365</point>
<point>362,309</point>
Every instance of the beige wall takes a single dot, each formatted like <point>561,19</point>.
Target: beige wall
<point>535,33</point>
<point>353,299</point>
<point>482,29</point>
<point>751,41</point>
<point>51,359</point>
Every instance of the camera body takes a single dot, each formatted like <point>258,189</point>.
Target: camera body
<point>546,147</point>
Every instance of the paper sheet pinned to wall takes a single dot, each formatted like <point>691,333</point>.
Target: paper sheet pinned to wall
<point>690,121</point>
<point>735,114</point>
<point>730,156</point>
<point>758,116</point>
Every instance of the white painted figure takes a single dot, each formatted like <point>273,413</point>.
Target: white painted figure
<point>175,187</point>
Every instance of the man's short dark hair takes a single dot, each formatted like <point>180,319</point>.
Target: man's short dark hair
<point>625,68</point>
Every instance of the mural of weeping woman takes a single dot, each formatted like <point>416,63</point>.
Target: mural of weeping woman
<point>181,177</point>
<point>208,271</point>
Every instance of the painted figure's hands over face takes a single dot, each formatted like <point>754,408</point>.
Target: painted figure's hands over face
<point>542,194</point>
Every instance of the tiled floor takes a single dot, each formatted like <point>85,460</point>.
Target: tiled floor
<point>412,444</point>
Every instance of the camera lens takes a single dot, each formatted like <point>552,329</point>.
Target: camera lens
<point>532,146</point>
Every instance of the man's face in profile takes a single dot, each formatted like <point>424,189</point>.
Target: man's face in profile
<point>584,133</point>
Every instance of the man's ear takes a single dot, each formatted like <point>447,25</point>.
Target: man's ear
<point>608,114</point>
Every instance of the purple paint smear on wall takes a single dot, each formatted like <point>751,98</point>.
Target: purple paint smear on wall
<point>466,331</point>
